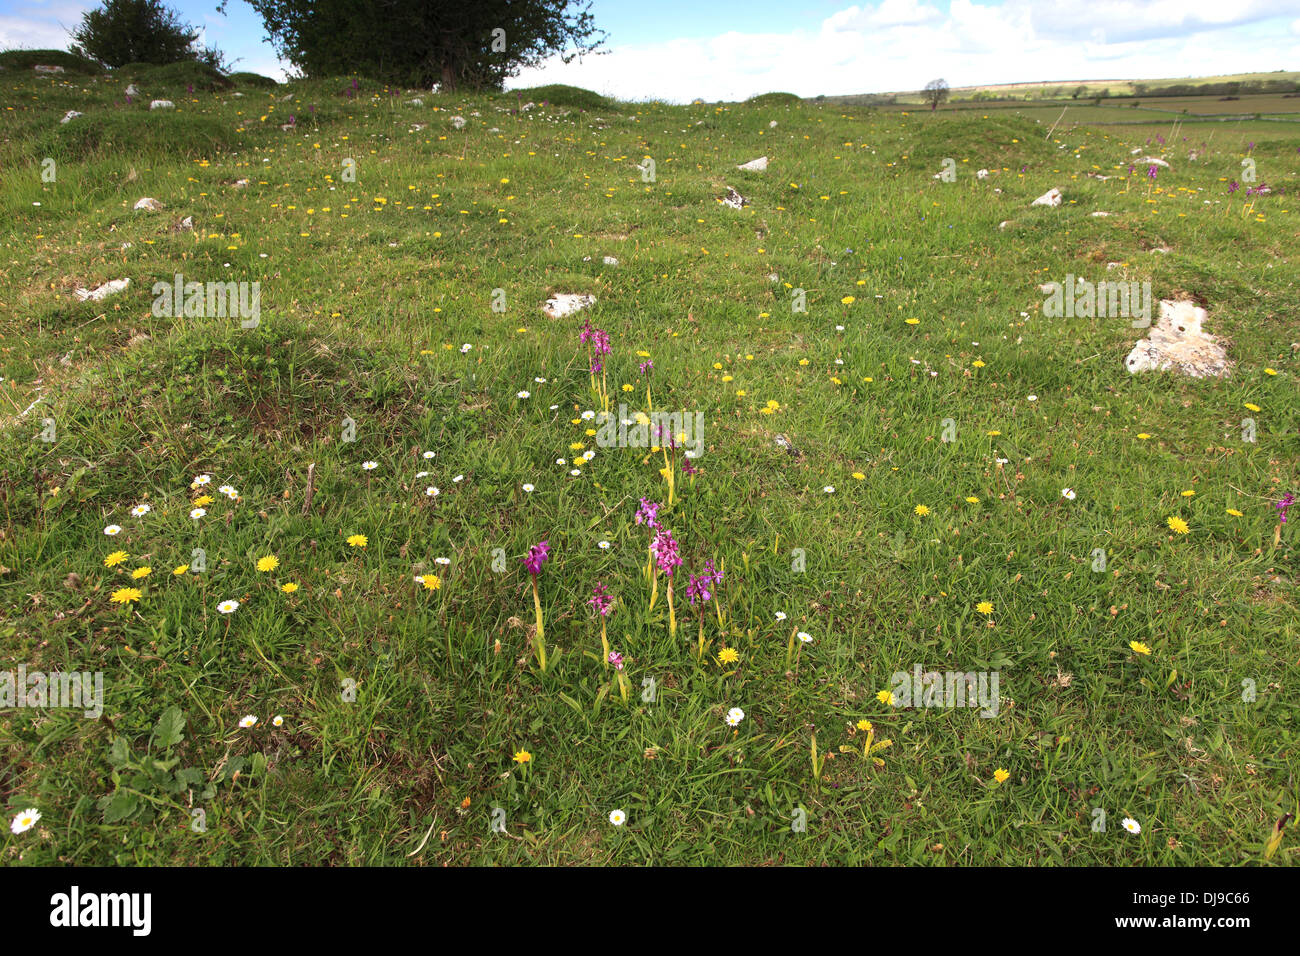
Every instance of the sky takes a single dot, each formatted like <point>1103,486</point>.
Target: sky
<point>680,50</point>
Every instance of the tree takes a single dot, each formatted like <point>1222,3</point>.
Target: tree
<point>935,92</point>
<point>472,44</point>
<point>137,31</point>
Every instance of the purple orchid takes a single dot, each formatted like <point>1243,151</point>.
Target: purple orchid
<point>665,551</point>
<point>601,600</point>
<point>536,555</point>
<point>1282,505</point>
<point>647,514</point>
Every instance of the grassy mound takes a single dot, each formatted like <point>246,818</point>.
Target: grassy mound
<point>774,99</point>
<point>178,77</point>
<point>558,94</point>
<point>134,133</point>
<point>253,79</point>
<point>27,59</point>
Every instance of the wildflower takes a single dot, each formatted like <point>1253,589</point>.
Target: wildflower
<point>432,492</point>
<point>734,717</point>
<point>522,756</point>
<point>202,501</point>
<point>1253,407</point>
<point>1177,525</point>
<point>728,655</point>
<point>428,454</point>
<point>1137,647</point>
<point>25,820</point>
<point>616,659</point>
<point>665,550</point>
<point>780,615</point>
<point>268,563</point>
<point>859,476</point>
<point>984,607</point>
<point>1143,435</point>
<point>200,480</point>
<point>1234,512</point>
<point>1285,503</point>
<point>431,582</point>
<point>601,600</point>
<point>647,514</point>
<point>358,540</point>
<point>972,500</point>
<point>113,530</point>
<point>522,394</point>
<point>140,511</point>
<point>885,697</point>
<point>228,607</point>
<point>1131,825</point>
<point>125,595</point>
<point>278,720</point>
<point>1068,494</point>
<point>180,569</point>
<point>1188,493</point>
<point>1001,775</point>
<point>288,587</point>
<point>198,513</point>
<point>864,725</point>
<point>116,558</point>
<point>527,487</point>
<point>829,489</point>
<point>141,572</point>
<point>617,817</point>
<point>921,510</point>
<point>805,637</point>
<point>247,721</point>
<point>370,465</point>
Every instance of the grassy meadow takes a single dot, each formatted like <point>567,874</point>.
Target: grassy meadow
<point>385,632</point>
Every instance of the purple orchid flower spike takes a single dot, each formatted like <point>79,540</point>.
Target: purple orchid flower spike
<point>537,554</point>
<point>666,552</point>
<point>601,600</point>
<point>647,514</point>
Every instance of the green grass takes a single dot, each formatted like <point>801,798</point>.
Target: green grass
<point>403,707</point>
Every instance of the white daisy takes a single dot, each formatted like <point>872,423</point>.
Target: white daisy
<point>1033,398</point>
<point>539,380</point>
<point>735,716</point>
<point>617,817</point>
<point>588,455</point>
<point>198,513</point>
<point>527,487</point>
<point>458,479</point>
<point>278,720</point>
<point>228,491</point>
<point>588,415</point>
<point>560,461</point>
<point>431,492</point>
<point>1131,825</point>
<point>603,545</point>
<point>228,607</point>
<point>25,821</point>
<point>554,407</point>
<point>200,480</point>
<point>140,511</point>
<point>247,721</point>
<point>370,465</point>
<point>465,348</point>
<point>780,615</point>
<point>429,454</point>
<point>829,489</point>
<point>442,560</point>
<point>522,394</point>
<point>1068,494</point>
<point>113,529</point>
<point>805,637</point>
<point>839,328</point>
<point>575,472</point>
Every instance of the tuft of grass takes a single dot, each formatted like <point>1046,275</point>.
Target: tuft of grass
<point>257,80</point>
<point>138,132</point>
<point>175,77</point>
<point>560,94</point>
<point>774,99</point>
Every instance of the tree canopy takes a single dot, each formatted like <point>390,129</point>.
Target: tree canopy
<point>138,31</point>
<point>472,44</point>
<point>935,92</point>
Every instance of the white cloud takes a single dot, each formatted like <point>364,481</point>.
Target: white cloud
<point>902,44</point>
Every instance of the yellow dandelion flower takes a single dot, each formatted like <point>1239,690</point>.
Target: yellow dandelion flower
<point>984,607</point>
<point>116,558</point>
<point>180,569</point>
<point>268,563</point>
<point>847,300</point>
<point>202,500</point>
<point>1177,525</point>
<point>728,655</point>
<point>358,540</point>
<point>859,476</point>
<point>1137,647</point>
<point>913,321</point>
<point>885,697</point>
<point>864,725</point>
<point>125,595</point>
<point>523,757</point>
<point>1001,775</point>
<point>288,587</point>
<point>1234,512</point>
<point>972,500</point>
<point>1253,407</point>
<point>921,510</point>
<point>1143,435</point>
<point>431,582</point>
<point>142,572</point>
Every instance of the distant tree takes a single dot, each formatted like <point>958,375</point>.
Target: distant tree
<point>1078,92</point>
<point>935,92</point>
<point>474,44</point>
<point>138,31</point>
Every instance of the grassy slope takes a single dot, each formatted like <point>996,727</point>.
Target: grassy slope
<point>369,289</point>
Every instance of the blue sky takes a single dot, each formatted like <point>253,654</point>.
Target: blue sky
<point>722,49</point>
